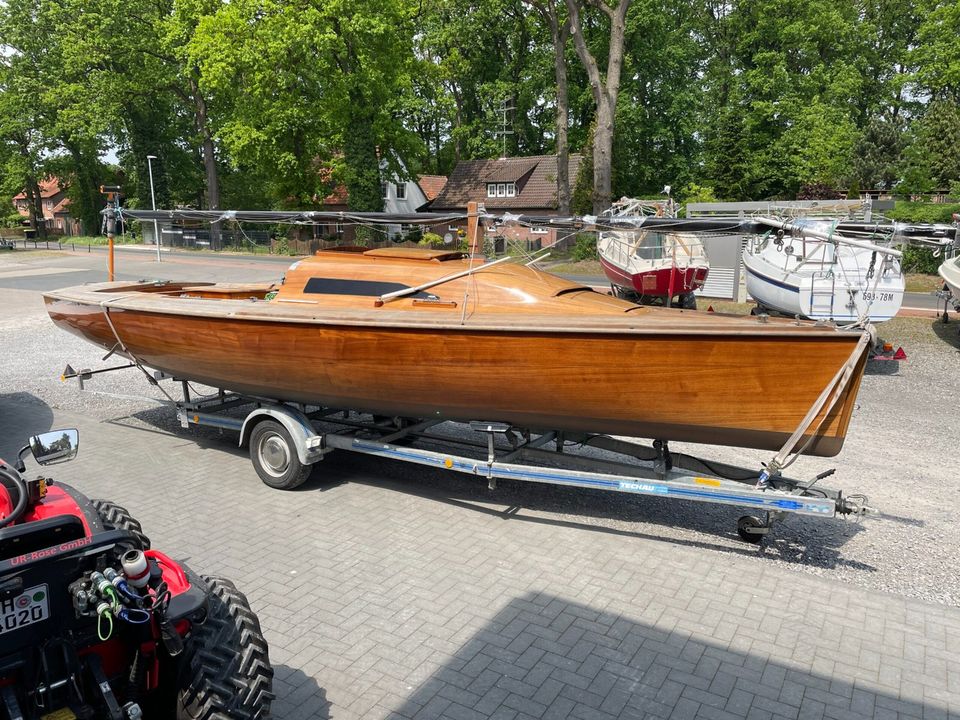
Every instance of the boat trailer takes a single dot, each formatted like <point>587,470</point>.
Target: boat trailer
<point>286,439</point>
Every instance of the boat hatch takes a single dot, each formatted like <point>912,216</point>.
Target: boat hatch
<point>417,254</point>
<point>575,289</point>
<point>364,288</point>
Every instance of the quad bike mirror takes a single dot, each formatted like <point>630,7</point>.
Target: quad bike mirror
<point>55,446</point>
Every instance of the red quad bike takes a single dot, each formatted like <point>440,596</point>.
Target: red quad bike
<point>95,624</point>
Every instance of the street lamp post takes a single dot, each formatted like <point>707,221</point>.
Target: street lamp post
<point>153,204</point>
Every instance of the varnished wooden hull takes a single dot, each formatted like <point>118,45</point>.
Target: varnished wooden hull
<point>744,388</point>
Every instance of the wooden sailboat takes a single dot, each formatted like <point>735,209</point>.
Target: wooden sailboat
<point>436,334</point>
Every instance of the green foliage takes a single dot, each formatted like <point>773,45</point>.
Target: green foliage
<point>585,247</point>
<point>922,212</point>
<point>878,154</point>
<point>581,195</point>
<point>13,220</point>
<point>933,156</point>
<point>693,193</point>
<point>920,260</point>
<point>431,240</point>
<point>260,103</point>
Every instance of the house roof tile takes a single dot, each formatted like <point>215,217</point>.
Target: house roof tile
<point>432,185</point>
<point>536,179</point>
<point>48,188</point>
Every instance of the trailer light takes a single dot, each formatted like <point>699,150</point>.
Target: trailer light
<point>887,347</point>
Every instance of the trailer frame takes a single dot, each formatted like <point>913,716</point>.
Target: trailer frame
<point>293,437</point>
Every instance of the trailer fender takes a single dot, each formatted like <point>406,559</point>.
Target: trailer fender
<point>308,444</point>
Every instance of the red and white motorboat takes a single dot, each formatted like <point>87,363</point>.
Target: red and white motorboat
<point>654,265</point>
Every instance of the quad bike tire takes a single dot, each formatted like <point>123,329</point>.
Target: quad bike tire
<point>115,517</point>
<point>225,672</point>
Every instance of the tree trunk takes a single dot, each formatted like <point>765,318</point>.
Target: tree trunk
<point>604,89</point>
<point>32,189</point>
<point>37,221</point>
<point>201,120</point>
<point>602,156</point>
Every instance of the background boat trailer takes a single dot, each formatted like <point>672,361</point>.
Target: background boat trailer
<point>287,439</point>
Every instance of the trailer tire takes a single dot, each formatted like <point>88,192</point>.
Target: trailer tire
<point>115,517</point>
<point>275,458</point>
<point>747,523</point>
<point>225,672</point>
<point>688,301</point>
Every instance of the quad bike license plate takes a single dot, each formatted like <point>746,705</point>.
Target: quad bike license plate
<point>28,607</point>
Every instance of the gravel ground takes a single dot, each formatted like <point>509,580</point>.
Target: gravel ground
<point>900,451</point>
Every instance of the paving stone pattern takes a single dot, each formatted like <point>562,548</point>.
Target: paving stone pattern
<point>382,600</point>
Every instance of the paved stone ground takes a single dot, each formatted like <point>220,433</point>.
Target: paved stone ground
<point>381,600</point>
<point>391,597</point>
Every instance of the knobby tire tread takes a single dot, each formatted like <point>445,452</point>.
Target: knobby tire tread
<point>116,517</point>
<point>226,669</point>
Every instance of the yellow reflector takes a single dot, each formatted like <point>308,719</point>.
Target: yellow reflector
<point>712,482</point>
<point>196,419</point>
<point>448,463</point>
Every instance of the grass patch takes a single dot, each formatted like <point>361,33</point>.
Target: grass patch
<point>923,282</point>
<point>91,240</point>
<point>912,331</point>
<point>583,267</point>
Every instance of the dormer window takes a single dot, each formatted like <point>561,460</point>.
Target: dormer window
<point>401,189</point>
<point>498,190</point>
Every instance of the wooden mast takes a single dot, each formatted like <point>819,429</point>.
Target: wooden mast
<point>474,241</point>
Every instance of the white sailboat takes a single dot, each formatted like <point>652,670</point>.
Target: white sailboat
<point>804,268</point>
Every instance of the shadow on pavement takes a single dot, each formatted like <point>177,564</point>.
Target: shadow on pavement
<point>544,656</point>
<point>794,540</point>
<point>882,367</point>
<point>298,696</point>
<point>21,415</point>
<point>949,333</point>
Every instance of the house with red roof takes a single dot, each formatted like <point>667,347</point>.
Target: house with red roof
<point>55,206</point>
<point>516,185</point>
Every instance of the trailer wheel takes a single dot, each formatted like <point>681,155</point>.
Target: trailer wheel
<point>275,458</point>
<point>225,671</point>
<point>747,523</point>
<point>114,517</point>
<point>688,301</point>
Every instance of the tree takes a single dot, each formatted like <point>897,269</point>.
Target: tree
<point>559,26</point>
<point>936,54</point>
<point>878,153</point>
<point>932,158</point>
<point>605,89</point>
